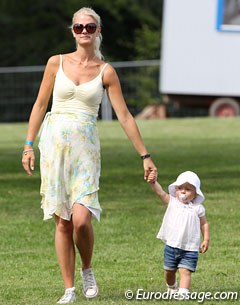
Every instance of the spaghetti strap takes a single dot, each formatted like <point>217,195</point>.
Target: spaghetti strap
<point>61,61</point>
<point>103,68</point>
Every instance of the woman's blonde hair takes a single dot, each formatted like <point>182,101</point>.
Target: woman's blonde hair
<point>90,12</point>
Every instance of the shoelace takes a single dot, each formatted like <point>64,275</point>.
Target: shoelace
<point>68,294</point>
<point>89,280</point>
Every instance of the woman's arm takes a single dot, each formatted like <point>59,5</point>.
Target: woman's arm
<point>39,110</point>
<point>126,120</point>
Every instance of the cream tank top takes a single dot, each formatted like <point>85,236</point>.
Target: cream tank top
<point>71,98</point>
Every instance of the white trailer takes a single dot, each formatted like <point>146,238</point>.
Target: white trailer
<point>200,59</point>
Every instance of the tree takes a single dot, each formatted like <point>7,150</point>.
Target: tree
<point>31,31</point>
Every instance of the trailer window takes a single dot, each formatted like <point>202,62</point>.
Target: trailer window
<point>228,15</point>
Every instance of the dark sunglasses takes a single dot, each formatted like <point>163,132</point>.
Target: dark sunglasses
<point>90,28</point>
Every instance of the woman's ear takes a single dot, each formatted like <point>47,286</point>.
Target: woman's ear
<point>99,29</point>
<point>74,35</point>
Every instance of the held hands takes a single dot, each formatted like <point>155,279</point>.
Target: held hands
<point>150,171</point>
<point>28,160</point>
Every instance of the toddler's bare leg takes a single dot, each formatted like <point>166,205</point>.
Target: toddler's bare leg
<point>185,278</point>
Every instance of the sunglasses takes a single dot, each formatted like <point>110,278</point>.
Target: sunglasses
<point>90,28</point>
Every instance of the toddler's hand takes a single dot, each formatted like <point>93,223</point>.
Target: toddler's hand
<point>152,177</point>
<point>204,247</point>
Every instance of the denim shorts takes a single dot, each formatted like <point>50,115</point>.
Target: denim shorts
<point>175,258</point>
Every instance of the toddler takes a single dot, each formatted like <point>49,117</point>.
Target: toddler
<point>182,223</point>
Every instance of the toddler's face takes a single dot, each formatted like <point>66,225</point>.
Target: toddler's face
<point>185,192</point>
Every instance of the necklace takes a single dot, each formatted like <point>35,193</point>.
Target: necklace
<point>86,63</point>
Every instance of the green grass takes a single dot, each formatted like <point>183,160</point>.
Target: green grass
<point>126,255</point>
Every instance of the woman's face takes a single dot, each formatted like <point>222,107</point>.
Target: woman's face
<point>185,192</point>
<point>85,36</point>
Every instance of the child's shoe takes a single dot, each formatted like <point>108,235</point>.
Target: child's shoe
<point>183,294</point>
<point>172,289</point>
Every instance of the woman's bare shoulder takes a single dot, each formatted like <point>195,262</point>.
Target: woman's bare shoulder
<point>54,60</point>
<point>53,63</point>
<point>109,70</point>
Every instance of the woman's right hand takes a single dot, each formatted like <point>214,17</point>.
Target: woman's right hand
<point>28,160</point>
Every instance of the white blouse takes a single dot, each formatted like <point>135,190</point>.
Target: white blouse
<point>181,225</point>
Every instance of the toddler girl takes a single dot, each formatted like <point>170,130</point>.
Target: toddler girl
<point>183,221</point>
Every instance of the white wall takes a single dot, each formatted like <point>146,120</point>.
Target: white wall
<point>196,58</point>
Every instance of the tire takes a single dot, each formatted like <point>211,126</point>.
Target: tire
<point>224,107</point>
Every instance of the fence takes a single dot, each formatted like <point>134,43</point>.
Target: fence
<point>19,87</point>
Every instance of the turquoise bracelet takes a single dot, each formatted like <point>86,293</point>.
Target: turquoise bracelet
<point>27,142</point>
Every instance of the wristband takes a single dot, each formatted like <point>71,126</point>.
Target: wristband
<point>145,156</point>
<point>27,142</point>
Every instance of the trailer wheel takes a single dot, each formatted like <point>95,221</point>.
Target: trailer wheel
<point>224,107</point>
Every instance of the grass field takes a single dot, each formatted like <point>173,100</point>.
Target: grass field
<point>126,255</point>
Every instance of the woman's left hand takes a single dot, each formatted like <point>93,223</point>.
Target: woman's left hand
<point>150,170</point>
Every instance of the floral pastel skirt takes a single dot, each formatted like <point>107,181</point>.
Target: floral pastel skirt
<point>69,164</point>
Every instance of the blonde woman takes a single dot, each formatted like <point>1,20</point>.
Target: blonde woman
<point>69,146</point>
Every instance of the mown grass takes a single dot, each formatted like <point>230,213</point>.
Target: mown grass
<point>126,255</point>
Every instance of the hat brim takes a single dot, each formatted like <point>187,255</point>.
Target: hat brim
<point>199,198</point>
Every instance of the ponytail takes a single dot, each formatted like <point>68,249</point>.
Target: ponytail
<point>98,42</point>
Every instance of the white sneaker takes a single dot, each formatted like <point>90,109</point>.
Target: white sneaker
<point>183,294</point>
<point>90,289</point>
<point>172,289</point>
<point>181,297</point>
<point>68,297</point>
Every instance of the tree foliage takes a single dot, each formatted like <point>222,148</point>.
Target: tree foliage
<point>31,31</point>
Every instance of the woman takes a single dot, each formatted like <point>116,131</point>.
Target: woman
<point>69,145</point>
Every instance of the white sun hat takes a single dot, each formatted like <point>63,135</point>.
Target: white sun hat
<point>191,178</point>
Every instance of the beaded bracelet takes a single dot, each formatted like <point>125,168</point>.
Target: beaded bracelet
<point>26,151</point>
